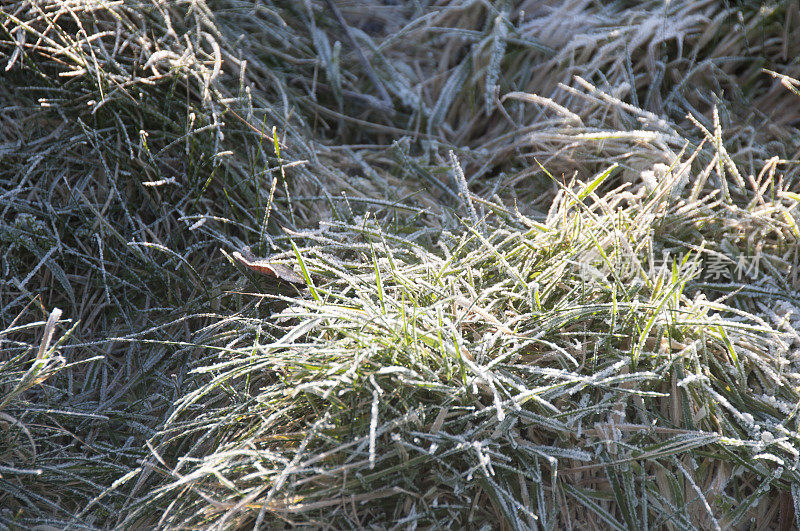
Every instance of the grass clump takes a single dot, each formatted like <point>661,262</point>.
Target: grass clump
<point>538,373</point>
<point>550,255</point>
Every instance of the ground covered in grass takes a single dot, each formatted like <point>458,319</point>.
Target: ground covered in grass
<point>545,264</point>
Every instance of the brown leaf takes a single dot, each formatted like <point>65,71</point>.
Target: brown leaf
<point>260,265</point>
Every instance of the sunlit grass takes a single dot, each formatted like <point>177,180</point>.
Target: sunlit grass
<point>550,263</point>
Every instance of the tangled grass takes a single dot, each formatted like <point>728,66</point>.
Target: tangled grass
<point>551,256</point>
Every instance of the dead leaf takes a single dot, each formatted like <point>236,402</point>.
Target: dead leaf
<point>267,268</point>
